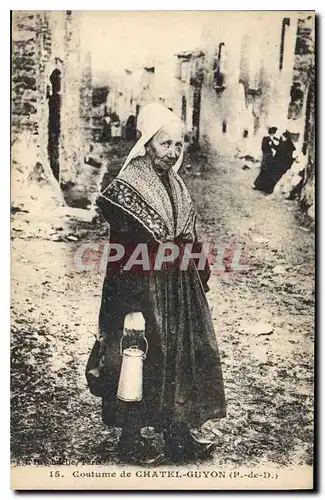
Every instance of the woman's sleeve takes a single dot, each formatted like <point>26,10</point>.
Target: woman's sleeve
<point>128,232</point>
<point>123,227</point>
<point>265,145</point>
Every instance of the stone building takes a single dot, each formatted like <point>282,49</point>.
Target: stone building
<point>50,102</point>
<point>264,76</point>
<point>231,90</point>
<point>190,68</point>
<point>129,90</point>
<point>248,77</point>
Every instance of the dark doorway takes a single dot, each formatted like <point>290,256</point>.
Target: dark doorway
<point>54,125</point>
<point>285,23</point>
<point>184,109</point>
<point>196,115</point>
<point>219,78</point>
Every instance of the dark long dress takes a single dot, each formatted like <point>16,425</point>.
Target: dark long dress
<point>264,181</point>
<point>182,373</point>
<point>283,159</point>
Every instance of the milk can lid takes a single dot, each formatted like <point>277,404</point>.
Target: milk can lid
<point>133,351</point>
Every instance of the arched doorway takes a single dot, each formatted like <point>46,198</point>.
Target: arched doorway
<point>54,123</point>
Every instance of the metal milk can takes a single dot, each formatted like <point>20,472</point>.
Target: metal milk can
<point>131,375</point>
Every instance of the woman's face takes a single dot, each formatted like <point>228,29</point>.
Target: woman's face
<point>166,146</point>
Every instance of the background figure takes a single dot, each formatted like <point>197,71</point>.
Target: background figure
<point>107,133</point>
<point>131,129</point>
<point>283,159</point>
<point>263,182</point>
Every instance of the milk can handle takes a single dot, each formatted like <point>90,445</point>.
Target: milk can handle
<point>144,338</point>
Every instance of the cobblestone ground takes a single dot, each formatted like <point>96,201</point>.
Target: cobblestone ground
<point>268,377</point>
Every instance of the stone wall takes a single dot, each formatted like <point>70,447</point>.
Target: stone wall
<point>303,61</point>
<point>86,95</point>
<point>31,49</point>
<point>41,43</point>
<point>33,184</point>
<point>300,180</point>
<point>72,140</point>
<point>308,191</point>
<point>304,75</point>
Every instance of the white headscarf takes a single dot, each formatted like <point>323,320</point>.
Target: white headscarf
<point>152,118</point>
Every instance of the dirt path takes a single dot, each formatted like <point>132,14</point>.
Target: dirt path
<point>268,378</point>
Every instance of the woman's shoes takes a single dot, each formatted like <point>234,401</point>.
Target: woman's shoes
<point>180,447</point>
<point>179,444</point>
<point>139,451</point>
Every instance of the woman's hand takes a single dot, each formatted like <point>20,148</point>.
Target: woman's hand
<point>134,321</point>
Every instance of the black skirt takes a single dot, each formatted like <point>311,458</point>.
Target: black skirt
<point>182,372</point>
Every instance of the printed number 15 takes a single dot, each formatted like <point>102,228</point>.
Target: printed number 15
<point>55,473</point>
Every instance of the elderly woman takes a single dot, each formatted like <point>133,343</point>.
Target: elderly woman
<point>149,203</point>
